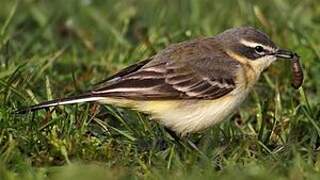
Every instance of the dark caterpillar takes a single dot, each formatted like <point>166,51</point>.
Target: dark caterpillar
<point>297,73</point>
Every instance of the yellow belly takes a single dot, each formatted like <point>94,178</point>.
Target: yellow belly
<point>185,116</point>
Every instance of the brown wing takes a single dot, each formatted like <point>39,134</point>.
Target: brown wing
<point>192,70</point>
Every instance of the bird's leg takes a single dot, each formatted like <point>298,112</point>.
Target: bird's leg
<point>176,139</point>
<point>184,141</point>
<point>173,134</point>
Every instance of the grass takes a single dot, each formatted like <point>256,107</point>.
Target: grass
<point>51,49</point>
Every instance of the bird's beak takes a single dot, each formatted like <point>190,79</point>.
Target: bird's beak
<point>285,54</point>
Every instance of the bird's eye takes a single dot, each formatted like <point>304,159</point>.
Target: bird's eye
<point>259,49</point>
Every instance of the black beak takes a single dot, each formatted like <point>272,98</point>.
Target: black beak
<point>285,54</point>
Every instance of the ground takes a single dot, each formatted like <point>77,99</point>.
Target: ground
<point>51,49</point>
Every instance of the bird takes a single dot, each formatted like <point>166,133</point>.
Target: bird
<point>189,86</point>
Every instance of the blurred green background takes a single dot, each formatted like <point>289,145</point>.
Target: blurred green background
<point>56,48</point>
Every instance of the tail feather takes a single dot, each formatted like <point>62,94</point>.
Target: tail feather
<point>62,101</point>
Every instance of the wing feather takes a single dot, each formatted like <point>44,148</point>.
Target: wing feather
<point>171,76</point>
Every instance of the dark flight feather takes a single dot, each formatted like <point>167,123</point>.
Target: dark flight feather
<point>188,75</point>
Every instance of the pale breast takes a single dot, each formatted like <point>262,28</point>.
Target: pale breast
<point>191,115</point>
<point>185,116</point>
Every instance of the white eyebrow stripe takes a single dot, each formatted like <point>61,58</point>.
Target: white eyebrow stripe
<point>254,44</point>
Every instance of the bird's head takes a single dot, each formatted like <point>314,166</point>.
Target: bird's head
<point>252,46</point>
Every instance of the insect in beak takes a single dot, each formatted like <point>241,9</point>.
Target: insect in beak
<point>296,69</point>
<point>297,73</point>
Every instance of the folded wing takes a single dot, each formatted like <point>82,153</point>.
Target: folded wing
<point>184,71</point>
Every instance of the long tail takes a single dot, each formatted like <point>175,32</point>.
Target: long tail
<point>62,101</point>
